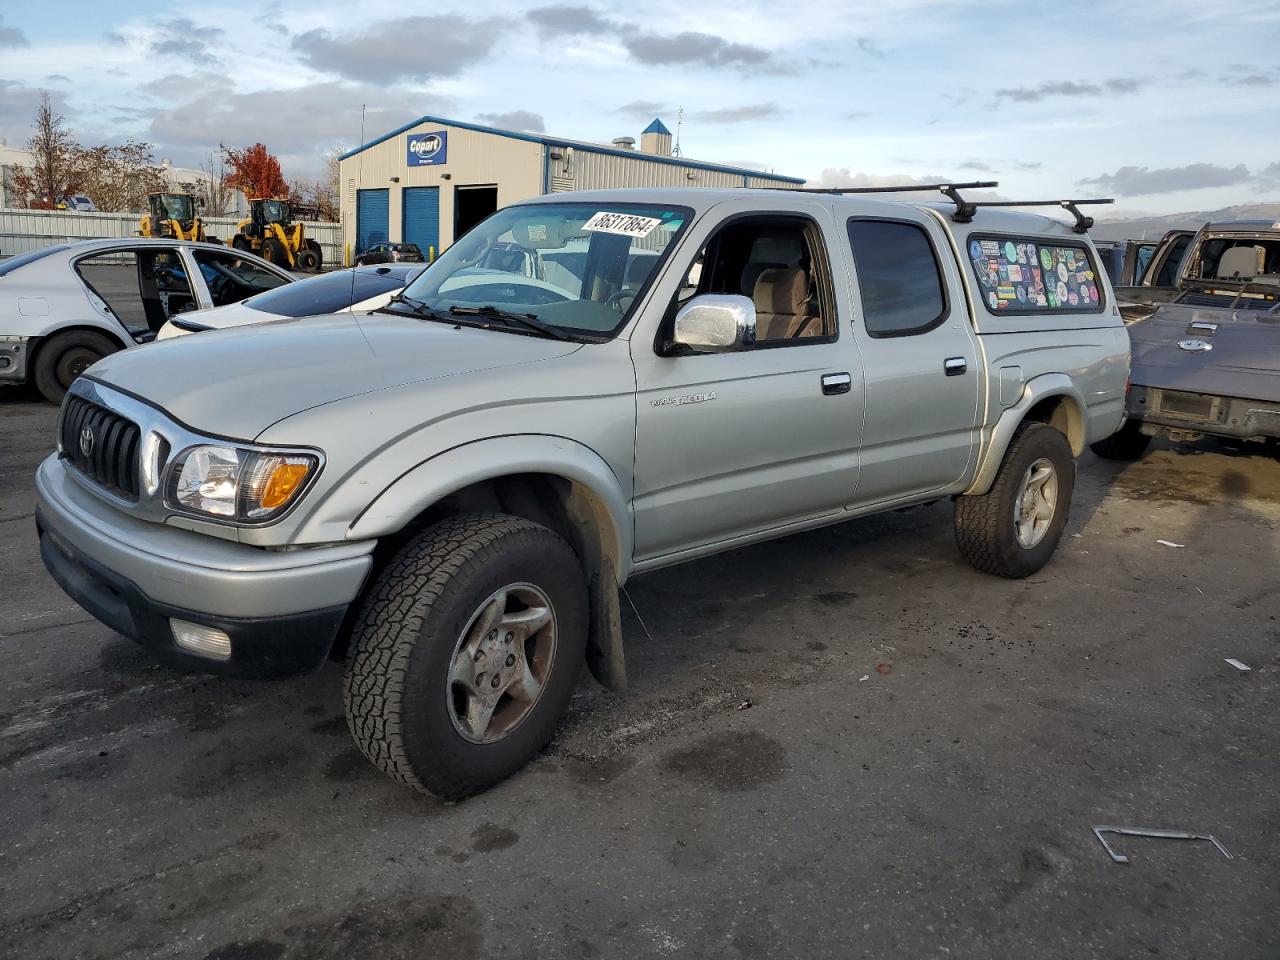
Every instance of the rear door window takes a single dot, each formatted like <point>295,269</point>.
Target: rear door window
<point>143,288</point>
<point>898,276</point>
<point>1029,275</point>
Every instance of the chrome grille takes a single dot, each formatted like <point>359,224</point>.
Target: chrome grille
<point>102,445</point>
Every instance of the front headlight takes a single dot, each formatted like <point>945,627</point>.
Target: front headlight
<point>232,483</point>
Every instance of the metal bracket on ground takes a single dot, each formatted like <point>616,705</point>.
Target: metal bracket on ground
<point>1147,832</point>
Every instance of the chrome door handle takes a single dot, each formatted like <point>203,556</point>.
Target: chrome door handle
<point>834,384</point>
<point>955,366</point>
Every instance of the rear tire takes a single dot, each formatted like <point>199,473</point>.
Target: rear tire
<point>409,687</point>
<point>65,356</point>
<point>308,261</point>
<point>988,527</point>
<point>1128,443</point>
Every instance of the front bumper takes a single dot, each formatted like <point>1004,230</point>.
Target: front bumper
<point>280,609</point>
<point>1185,414</point>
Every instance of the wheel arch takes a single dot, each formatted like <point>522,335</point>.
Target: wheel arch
<point>553,481</point>
<point>38,343</point>
<point>1053,399</point>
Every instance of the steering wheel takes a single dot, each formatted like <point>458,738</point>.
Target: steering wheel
<point>615,301</point>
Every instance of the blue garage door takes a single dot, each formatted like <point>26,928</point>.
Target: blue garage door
<point>422,218</point>
<point>372,209</point>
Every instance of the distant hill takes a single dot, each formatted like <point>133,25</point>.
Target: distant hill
<point>1137,227</point>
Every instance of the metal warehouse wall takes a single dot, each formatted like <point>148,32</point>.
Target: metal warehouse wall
<point>474,159</point>
<point>25,230</point>
<point>595,171</point>
<point>515,167</point>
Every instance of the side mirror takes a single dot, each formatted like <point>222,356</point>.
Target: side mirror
<point>716,323</point>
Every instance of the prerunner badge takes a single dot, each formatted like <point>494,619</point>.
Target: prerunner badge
<point>625,224</point>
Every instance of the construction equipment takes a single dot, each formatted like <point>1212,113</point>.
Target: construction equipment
<point>271,233</point>
<point>173,215</point>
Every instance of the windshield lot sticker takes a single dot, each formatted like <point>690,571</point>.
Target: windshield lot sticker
<point>975,250</point>
<point>1010,253</point>
<point>1015,273</point>
<point>1006,293</point>
<point>990,248</point>
<point>622,224</point>
<point>993,300</point>
<point>1046,258</point>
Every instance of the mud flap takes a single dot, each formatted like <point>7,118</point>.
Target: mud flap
<point>604,641</point>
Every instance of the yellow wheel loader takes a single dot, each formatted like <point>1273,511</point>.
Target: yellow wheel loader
<point>173,215</point>
<point>271,233</point>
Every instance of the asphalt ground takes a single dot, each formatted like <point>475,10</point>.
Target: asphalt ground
<point>843,744</point>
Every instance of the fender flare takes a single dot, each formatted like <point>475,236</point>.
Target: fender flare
<point>1037,389</point>
<point>596,504</point>
<point>452,470</point>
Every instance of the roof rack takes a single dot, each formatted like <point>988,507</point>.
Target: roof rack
<point>964,208</point>
<point>1082,224</point>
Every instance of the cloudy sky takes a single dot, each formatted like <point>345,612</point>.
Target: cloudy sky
<point>1168,107</point>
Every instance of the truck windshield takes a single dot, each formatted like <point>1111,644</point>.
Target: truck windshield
<point>577,266</point>
<point>177,206</point>
<point>275,211</point>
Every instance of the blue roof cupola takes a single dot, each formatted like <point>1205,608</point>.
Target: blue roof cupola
<point>657,127</point>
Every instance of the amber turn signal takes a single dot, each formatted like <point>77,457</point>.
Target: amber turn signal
<point>281,484</point>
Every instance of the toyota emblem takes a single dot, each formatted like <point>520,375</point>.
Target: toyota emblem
<point>1195,346</point>
<point>86,441</point>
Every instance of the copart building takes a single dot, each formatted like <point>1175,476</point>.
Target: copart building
<point>431,181</point>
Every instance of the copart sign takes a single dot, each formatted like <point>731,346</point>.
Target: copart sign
<point>428,149</point>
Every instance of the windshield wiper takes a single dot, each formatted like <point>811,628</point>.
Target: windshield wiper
<point>417,306</point>
<point>529,321</point>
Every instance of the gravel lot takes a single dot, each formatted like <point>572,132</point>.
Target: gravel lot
<point>845,744</point>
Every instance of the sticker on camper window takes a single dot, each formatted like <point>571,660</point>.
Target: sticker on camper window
<point>623,224</point>
<point>1031,276</point>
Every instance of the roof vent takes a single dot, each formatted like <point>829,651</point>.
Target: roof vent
<point>624,143</point>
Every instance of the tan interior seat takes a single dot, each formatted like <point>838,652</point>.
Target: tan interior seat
<point>1244,262</point>
<point>781,296</point>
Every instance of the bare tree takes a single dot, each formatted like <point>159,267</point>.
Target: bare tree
<point>53,172</point>
<point>212,188</point>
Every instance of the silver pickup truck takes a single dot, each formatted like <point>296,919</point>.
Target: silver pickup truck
<point>452,490</point>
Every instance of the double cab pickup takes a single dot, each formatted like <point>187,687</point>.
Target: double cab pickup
<point>450,492</point>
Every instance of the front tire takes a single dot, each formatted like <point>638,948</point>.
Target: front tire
<point>1013,529</point>
<point>65,356</point>
<point>1128,443</point>
<point>466,652</point>
<point>273,251</point>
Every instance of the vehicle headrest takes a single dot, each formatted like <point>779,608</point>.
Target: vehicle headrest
<point>1240,262</point>
<point>782,290</point>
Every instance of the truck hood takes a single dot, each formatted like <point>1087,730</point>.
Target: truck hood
<point>239,381</point>
<point>1244,360</point>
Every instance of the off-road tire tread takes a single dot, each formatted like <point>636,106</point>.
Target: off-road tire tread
<point>394,608</point>
<point>978,518</point>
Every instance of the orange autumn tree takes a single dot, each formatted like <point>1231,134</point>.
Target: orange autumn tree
<point>255,172</point>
